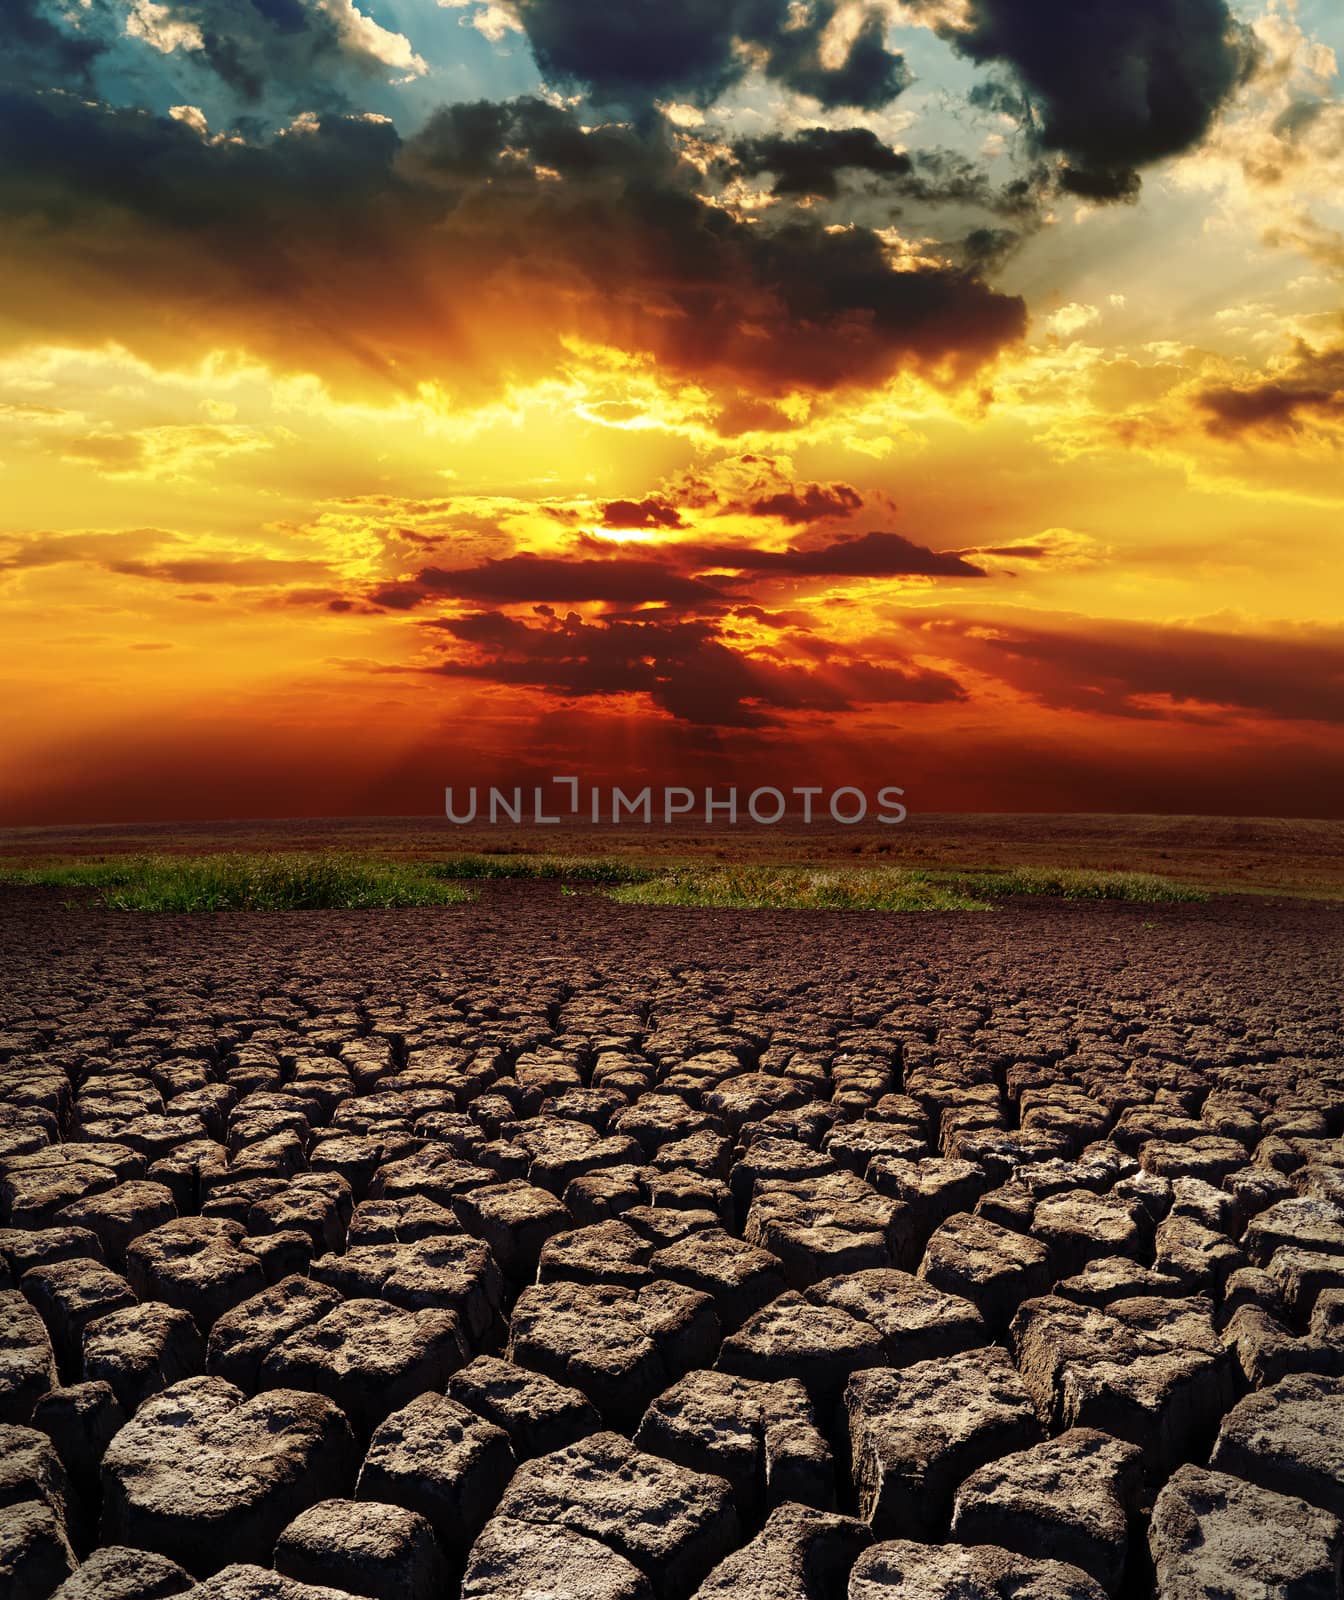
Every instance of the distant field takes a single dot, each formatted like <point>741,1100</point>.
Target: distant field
<point>1214,854</point>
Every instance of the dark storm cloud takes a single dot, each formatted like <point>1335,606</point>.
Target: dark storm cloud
<point>984,249</point>
<point>300,55</point>
<point>1141,670</point>
<point>683,667</point>
<point>1101,183</point>
<point>63,156</point>
<point>1310,390</point>
<point>345,239</point>
<point>508,140</point>
<point>1001,98</point>
<point>523,578</point>
<point>694,50</point>
<point>1024,552</point>
<point>809,162</point>
<point>256,46</point>
<point>650,512</point>
<point>868,555</point>
<point>1112,86</point>
<point>808,502</point>
<point>675,578</point>
<point>946,177</point>
<point>34,48</point>
<point>833,307</point>
<point>798,620</point>
<point>871,76</point>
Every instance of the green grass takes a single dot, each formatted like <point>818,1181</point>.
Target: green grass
<point>886,888</point>
<point>293,881</point>
<point>231,882</point>
<point>1073,883</point>
<point>568,869</point>
<point>799,888</point>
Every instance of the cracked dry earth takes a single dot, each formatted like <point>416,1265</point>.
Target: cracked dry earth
<point>546,1248</point>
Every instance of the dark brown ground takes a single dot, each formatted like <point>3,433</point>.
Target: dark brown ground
<point>1181,1062</point>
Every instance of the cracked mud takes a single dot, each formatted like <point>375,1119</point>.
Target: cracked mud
<point>548,1248</point>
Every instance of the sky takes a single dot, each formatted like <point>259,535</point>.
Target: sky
<point>941,393</point>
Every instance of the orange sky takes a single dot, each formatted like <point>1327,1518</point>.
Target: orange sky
<point>432,402</point>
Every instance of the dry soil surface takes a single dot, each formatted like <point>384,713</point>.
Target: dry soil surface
<point>546,1248</point>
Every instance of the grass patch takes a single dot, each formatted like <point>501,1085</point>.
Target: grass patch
<point>799,888</point>
<point>302,881</point>
<point>1074,883</point>
<point>566,869</point>
<point>886,888</point>
<point>233,882</point>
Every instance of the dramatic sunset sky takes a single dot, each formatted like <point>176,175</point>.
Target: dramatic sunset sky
<point>937,392</point>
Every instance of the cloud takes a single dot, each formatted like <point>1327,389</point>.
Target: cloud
<point>756,483</point>
<point>296,53</point>
<point>1290,130</point>
<point>1154,671</point>
<point>1305,392</point>
<point>171,450</point>
<point>1276,160</point>
<point>34,48</point>
<point>684,668</point>
<point>1055,549</point>
<point>55,549</point>
<point>224,571</point>
<point>469,252</point>
<point>158,554</point>
<point>867,555</point>
<point>493,18</point>
<point>1101,183</point>
<point>810,161</point>
<point>809,502</point>
<point>162,27</point>
<point>1111,87</point>
<point>1072,318</point>
<point>670,580</point>
<point>523,578</point>
<point>650,512</point>
<point>876,182</point>
<point>694,51</point>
